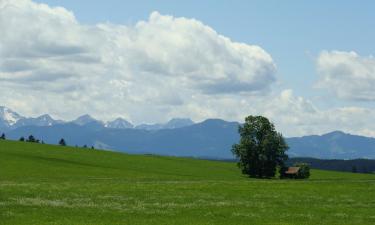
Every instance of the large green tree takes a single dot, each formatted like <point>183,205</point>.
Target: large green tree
<point>261,148</point>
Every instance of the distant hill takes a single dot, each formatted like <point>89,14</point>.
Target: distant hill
<point>334,145</point>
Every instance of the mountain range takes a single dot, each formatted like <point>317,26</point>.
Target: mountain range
<point>211,138</point>
<point>10,120</point>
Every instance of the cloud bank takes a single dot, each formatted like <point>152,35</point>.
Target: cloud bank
<point>348,75</point>
<point>299,116</point>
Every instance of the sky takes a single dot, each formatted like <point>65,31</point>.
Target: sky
<point>306,65</point>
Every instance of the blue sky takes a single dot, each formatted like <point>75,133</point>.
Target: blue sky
<point>307,65</point>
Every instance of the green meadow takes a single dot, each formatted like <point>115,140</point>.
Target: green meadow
<point>45,184</point>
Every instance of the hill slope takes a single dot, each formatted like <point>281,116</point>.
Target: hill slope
<point>44,184</point>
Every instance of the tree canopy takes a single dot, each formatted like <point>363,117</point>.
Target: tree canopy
<point>62,142</point>
<point>261,148</point>
<point>31,138</point>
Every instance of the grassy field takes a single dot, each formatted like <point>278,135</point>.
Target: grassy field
<point>44,184</point>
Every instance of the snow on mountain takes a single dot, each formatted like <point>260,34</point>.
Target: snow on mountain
<point>12,120</point>
<point>119,123</point>
<point>8,117</point>
<point>43,120</point>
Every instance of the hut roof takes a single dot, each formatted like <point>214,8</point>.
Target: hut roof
<point>292,170</point>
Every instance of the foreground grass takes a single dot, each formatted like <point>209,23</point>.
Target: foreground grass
<point>43,184</point>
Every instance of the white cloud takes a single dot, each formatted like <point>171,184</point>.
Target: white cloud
<point>296,116</point>
<point>347,75</point>
<point>158,68</point>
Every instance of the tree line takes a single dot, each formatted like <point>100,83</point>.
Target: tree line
<point>352,165</point>
<point>32,139</point>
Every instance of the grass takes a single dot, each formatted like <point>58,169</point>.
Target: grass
<point>44,184</point>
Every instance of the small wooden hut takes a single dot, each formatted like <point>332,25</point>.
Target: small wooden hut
<point>292,172</point>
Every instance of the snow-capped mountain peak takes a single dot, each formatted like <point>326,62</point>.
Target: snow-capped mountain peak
<point>46,120</point>
<point>43,120</point>
<point>8,117</point>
